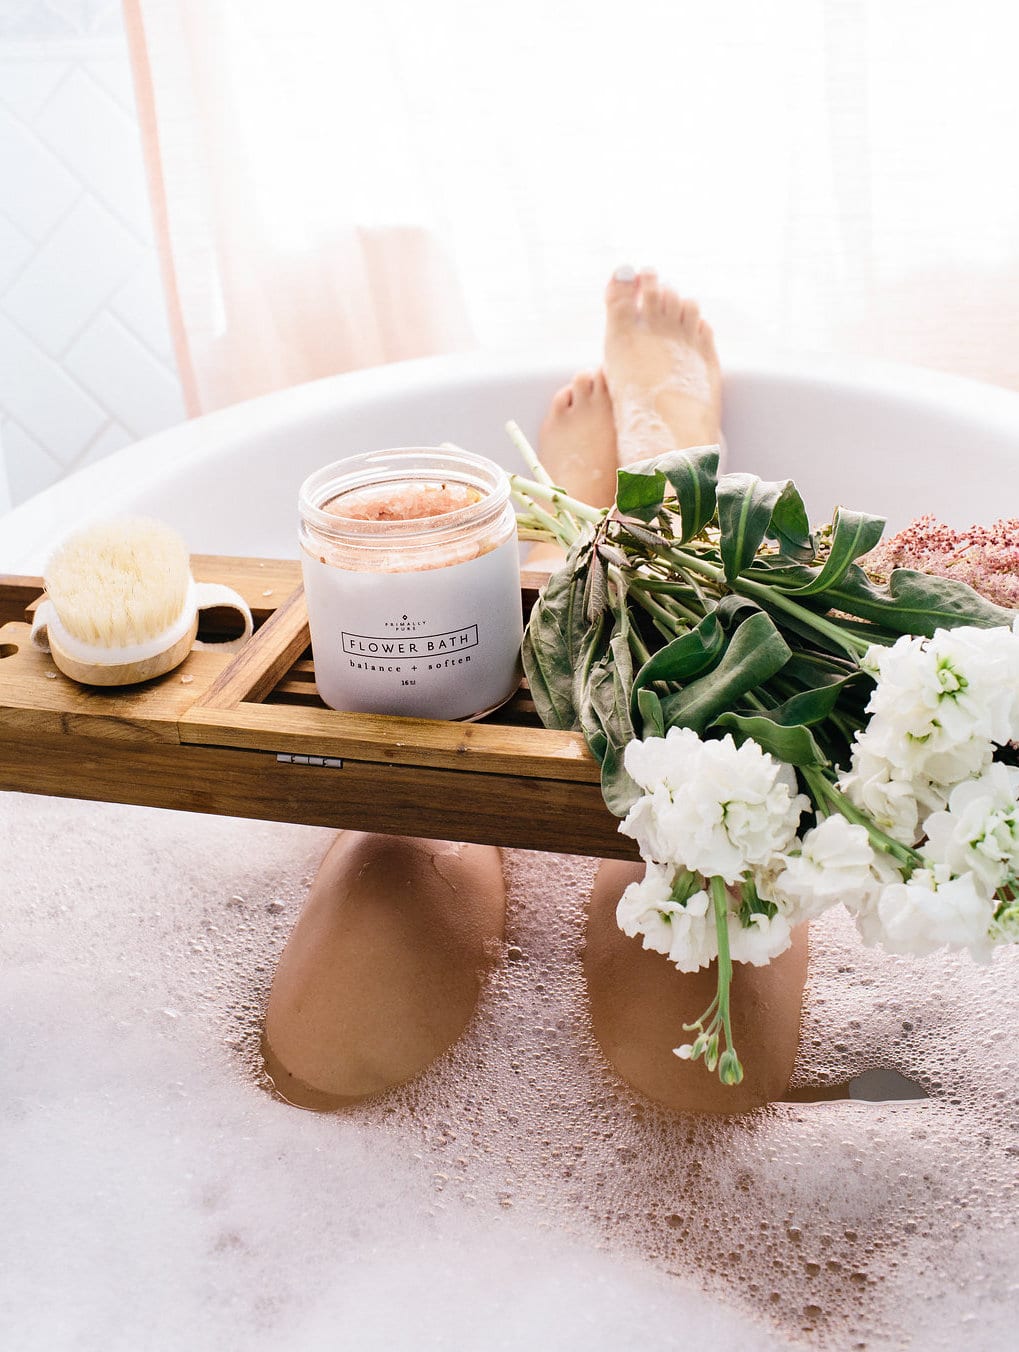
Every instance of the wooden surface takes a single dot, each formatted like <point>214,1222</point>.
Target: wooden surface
<point>508,810</point>
<point>217,734</point>
<point>265,659</point>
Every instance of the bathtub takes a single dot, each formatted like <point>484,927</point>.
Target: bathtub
<point>893,440</point>
<point>517,1196</point>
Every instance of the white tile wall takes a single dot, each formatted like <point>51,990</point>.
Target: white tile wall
<point>86,364</point>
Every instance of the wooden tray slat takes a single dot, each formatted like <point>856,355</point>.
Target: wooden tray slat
<point>264,660</point>
<point>487,748</point>
<point>16,595</point>
<point>510,810</point>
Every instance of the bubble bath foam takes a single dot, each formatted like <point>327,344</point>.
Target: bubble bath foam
<point>520,1193</point>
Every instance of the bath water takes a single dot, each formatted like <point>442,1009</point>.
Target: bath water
<point>517,1195</point>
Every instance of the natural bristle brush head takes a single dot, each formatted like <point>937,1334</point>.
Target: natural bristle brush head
<point>122,606</point>
<point>119,583</point>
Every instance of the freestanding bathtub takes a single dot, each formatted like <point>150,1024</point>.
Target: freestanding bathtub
<point>894,440</point>
<point>154,1196</point>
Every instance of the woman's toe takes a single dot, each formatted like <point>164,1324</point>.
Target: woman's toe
<point>622,292</point>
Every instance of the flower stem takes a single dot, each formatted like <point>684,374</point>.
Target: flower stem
<point>668,621</point>
<point>641,589</point>
<point>730,1071</point>
<point>850,643</point>
<point>554,525</point>
<point>717,1013</point>
<point>638,647</point>
<point>535,490</point>
<point>529,454</point>
<point>846,640</point>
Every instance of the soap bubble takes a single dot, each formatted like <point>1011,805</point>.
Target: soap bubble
<point>517,1195</point>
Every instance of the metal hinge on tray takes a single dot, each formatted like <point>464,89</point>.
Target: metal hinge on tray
<point>330,762</point>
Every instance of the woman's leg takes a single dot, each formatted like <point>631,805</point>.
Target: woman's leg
<point>382,971</point>
<point>640,1002</point>
<point>664,377</point>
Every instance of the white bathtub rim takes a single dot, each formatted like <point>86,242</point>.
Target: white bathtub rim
<point>101,488</point>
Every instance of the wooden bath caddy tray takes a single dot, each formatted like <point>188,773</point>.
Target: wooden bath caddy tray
<point>246,735</point>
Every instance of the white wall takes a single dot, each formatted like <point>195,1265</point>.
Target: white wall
<point>85,359</point>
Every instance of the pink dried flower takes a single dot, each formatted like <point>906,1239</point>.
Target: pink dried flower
<point>984,557</point>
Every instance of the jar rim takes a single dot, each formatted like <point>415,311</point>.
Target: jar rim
<point>404,464</point>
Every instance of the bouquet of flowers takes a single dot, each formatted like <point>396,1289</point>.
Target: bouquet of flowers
<point>779,729</point>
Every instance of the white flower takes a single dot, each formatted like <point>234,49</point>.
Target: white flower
<point>685,932</point>
<point>835,863</point>
<point>646,908</point>
<point>990,657</point>
<point>729,808</point>
<point>694,935</point>
<point>979,833</point>
<point>941,705</point>
<point>929,912</point>
<point>654,822</point>
<point>930,765</point>
<point>889,802</point>
<point>760,941</point>
<point>663,762</point>
<point>1005,929</point>
<point>961,680</point>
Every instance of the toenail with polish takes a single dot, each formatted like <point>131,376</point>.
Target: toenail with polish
<point>624,274</point>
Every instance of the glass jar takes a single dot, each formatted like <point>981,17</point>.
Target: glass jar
<point>412,579</point>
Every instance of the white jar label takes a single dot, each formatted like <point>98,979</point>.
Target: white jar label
<point>440,643</point>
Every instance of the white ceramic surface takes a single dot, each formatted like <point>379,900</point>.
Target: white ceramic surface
<point>889,439</point>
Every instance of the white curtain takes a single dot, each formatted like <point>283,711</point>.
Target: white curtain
<point>829,175</point>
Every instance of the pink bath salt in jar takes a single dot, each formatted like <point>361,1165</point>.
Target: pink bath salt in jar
<point>412,579</point>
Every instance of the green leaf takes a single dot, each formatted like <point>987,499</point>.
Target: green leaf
<point>617,788</point>
<point>652,719</point>
<point>640,492</point>
<point>692,475</point>
<point>814,669</point>
<point>559,643</point>
<point>687,656</point>
<point>789,524</point>
<point>775,569</point>
<point>746,505</point>
<point>651,540</point>
<point>794,745</point>
<point>595,588</point>
<point>755,652</point>
<point>811,706</point>
<point>732,605</point>
<point>607,708</point>
<point>853,534</point>
<point>915,603</point>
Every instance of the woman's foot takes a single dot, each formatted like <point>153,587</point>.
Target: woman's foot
<point>577,442</point>
<point>577,445</point>
<point>640,1002</point>
<point>383,969</point>
<point>661,367</point>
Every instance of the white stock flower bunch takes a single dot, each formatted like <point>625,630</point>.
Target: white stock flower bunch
<point>942,709</point>
<point>918,838</point>
<point>709,810</point>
